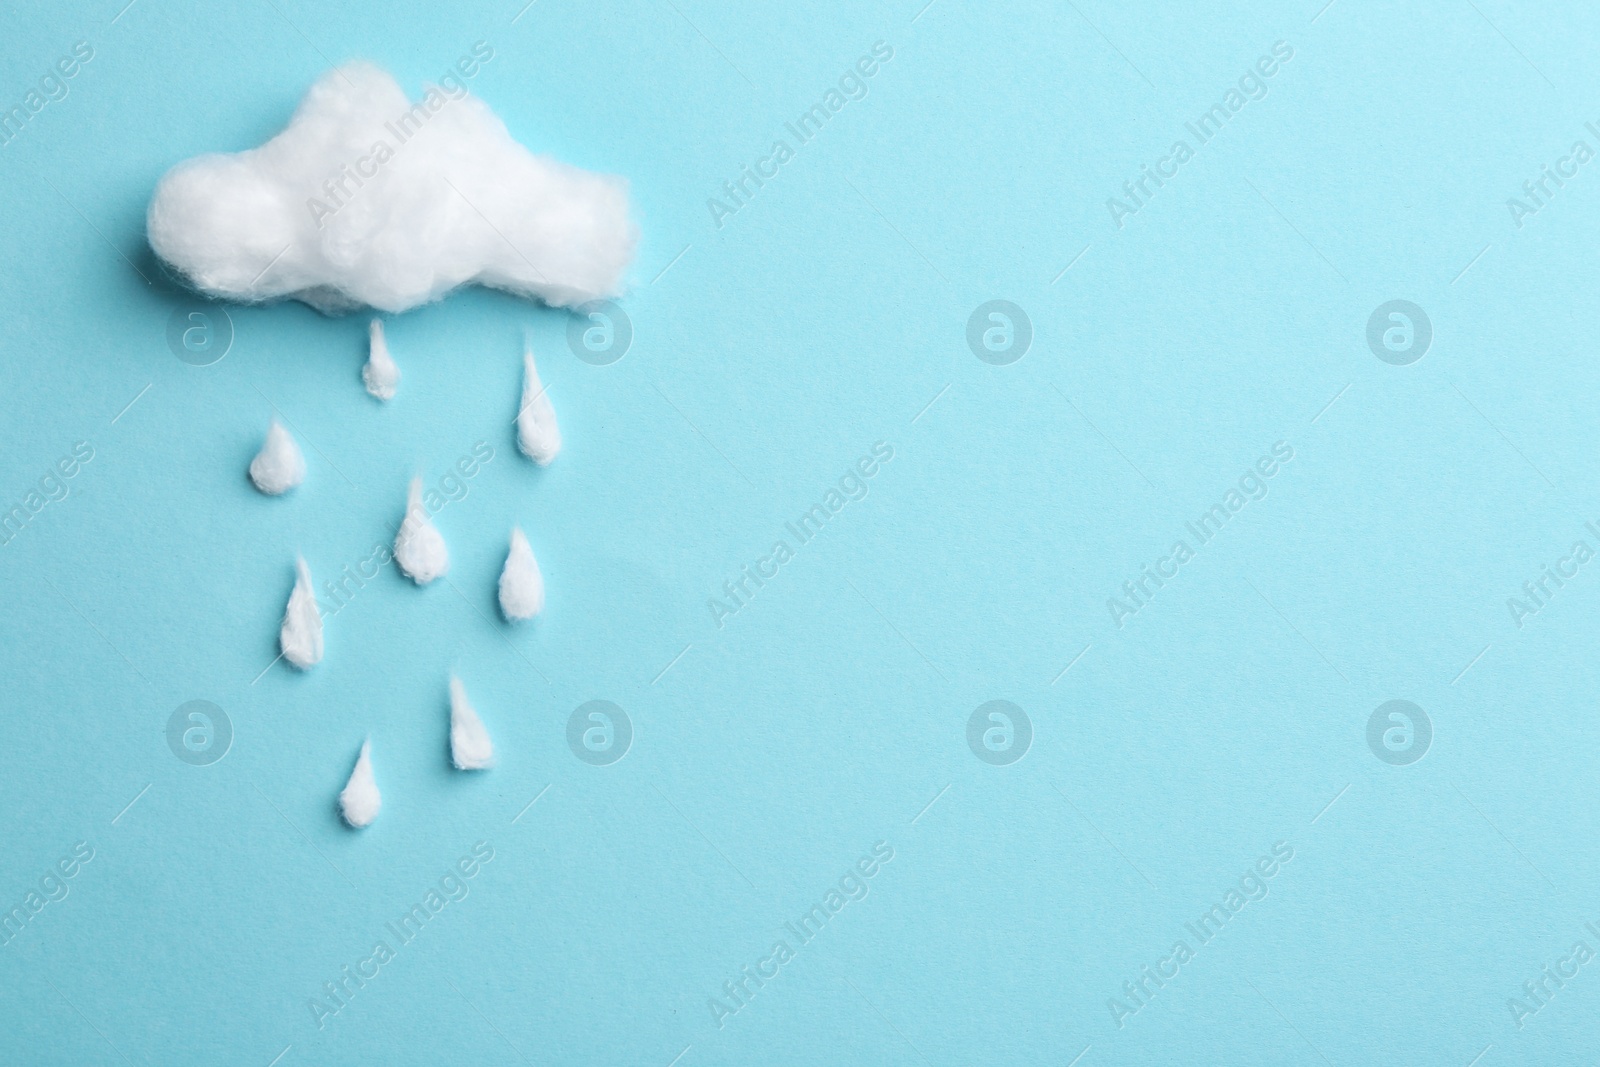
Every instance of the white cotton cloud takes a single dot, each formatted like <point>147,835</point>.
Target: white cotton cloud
<point>368,199</point>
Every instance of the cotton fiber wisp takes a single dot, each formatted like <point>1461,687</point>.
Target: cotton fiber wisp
<point>470,747</point>
<point>419,547</point>
<point>380,374</point>
<point>521,584</point>
<point>367,199</point>
<point>360,800</point>
<point>279,466</point>
<point>300,637</point>
<point>537,433</point>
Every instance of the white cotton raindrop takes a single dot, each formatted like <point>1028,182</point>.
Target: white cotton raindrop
<point>360,800</point>
<point>470,747</point>
<point>419,547</point>
<point>380,374</point>
<point>279,466</point>
<point>521,584</point>
<point>301,634</point>
<point>537,433</point>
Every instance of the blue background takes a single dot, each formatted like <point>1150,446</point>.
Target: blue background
<point>830,712</point>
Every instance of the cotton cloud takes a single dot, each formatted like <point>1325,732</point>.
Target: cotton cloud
<point>369,199</point>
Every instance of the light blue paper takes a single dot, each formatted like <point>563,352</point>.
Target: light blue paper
<point>786,337</point>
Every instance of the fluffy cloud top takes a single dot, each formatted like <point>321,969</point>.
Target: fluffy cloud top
<point>368,199</point>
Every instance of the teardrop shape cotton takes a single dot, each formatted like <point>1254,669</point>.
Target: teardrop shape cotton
<point>360,800</point>
<point>279,466</point>
<point>380,374</point>
<point>470,747</point>
<point>521,584</point>
<point>300,637</point>
<point>419,547</point>
<point>537,433</point>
